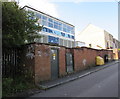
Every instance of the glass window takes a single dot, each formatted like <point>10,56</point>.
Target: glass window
<point>63,34</point>
<point>55,22</point>
<point>44,29</point>
<point>44,23</point>
<point>68,31</point>
<point>59,33</point>
<point>64,29</point>
<point>50,25</point>
<point>60,28</point>
<point>71,29</point>
<point>55,26</point>
<point>72,37</point>
<point>38,15</point>
<point>44,17</point>
<point>64,25</point>
<point>68,36</point>
<point>50,20</point>
<point>47,30</point>
<point>60,24</point>
<point>50,31</point>
<point>52,39</point>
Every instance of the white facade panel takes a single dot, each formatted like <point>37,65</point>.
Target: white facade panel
<point>92,36</point>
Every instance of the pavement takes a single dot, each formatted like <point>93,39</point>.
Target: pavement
<point>71,77</point>
<point>103,83</point>
<point>53,83</point>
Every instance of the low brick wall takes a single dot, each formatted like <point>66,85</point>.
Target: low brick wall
<point>37,58</point>
<point>62,63</point>
<point>42,62</point>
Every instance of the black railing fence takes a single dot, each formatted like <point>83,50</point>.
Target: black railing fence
<point>11,62</point>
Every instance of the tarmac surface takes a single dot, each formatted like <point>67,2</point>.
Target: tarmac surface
<point>100,81</point>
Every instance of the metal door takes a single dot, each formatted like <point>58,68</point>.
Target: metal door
<point>54,63</point>
<point>69,62</point>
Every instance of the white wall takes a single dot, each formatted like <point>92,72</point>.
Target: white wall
<point>92,35</point>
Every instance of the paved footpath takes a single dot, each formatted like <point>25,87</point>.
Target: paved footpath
<point>100,81</point>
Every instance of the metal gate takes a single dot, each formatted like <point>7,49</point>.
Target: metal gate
<point>54,64</point>
<point>69,62</point>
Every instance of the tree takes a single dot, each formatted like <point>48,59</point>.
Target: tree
<point>18,25</point>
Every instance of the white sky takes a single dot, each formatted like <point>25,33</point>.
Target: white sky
<point>49,7</point>
<point>41,5</point>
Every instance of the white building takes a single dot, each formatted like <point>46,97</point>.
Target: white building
<point>79,44</point>
<point>55,31</point>
<point>96,37</point>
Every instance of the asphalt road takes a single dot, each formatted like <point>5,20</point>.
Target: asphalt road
<point>103,83</point>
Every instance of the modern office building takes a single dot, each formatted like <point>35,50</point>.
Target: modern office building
<point>55,31</point>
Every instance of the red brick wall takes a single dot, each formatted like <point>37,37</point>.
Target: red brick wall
<point>84,58</point>
<point>102,53</point>
<point>79,55</point>
<point>42,63</point>
<point>62,63</point>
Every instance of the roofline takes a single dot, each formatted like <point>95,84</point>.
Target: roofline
<point>48,15</point>
<point>83,29</point>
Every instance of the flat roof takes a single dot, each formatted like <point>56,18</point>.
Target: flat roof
<point>48,15</point>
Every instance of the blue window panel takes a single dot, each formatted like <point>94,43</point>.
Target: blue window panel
<point>71,29</point>
<point>55,22</point>
<point>63,34</point>
<point>59,33</point>
<point>68,31</point>
<point>73,32</point>
<point>50,25</point>
<point>55,32</point>
<point>50,20</point>
<point>44,23</point>
<point>47,30</point>
<point>73,37</point>
<point>44,17</point>
<point>68,36</point>
<point>64,25</point>
<point>60,24</point>
<point>56,26</point>
<point>52,39</point>
<point>50,31</point>
<point>44,29</point>
<point>68,27</point>
<point>60,28</point>
<point>64,29</point>
<point>38,15</point>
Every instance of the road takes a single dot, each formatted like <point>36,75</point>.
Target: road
<point>103,83</point>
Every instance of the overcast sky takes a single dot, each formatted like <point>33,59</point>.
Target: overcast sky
<point>102,13</point>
